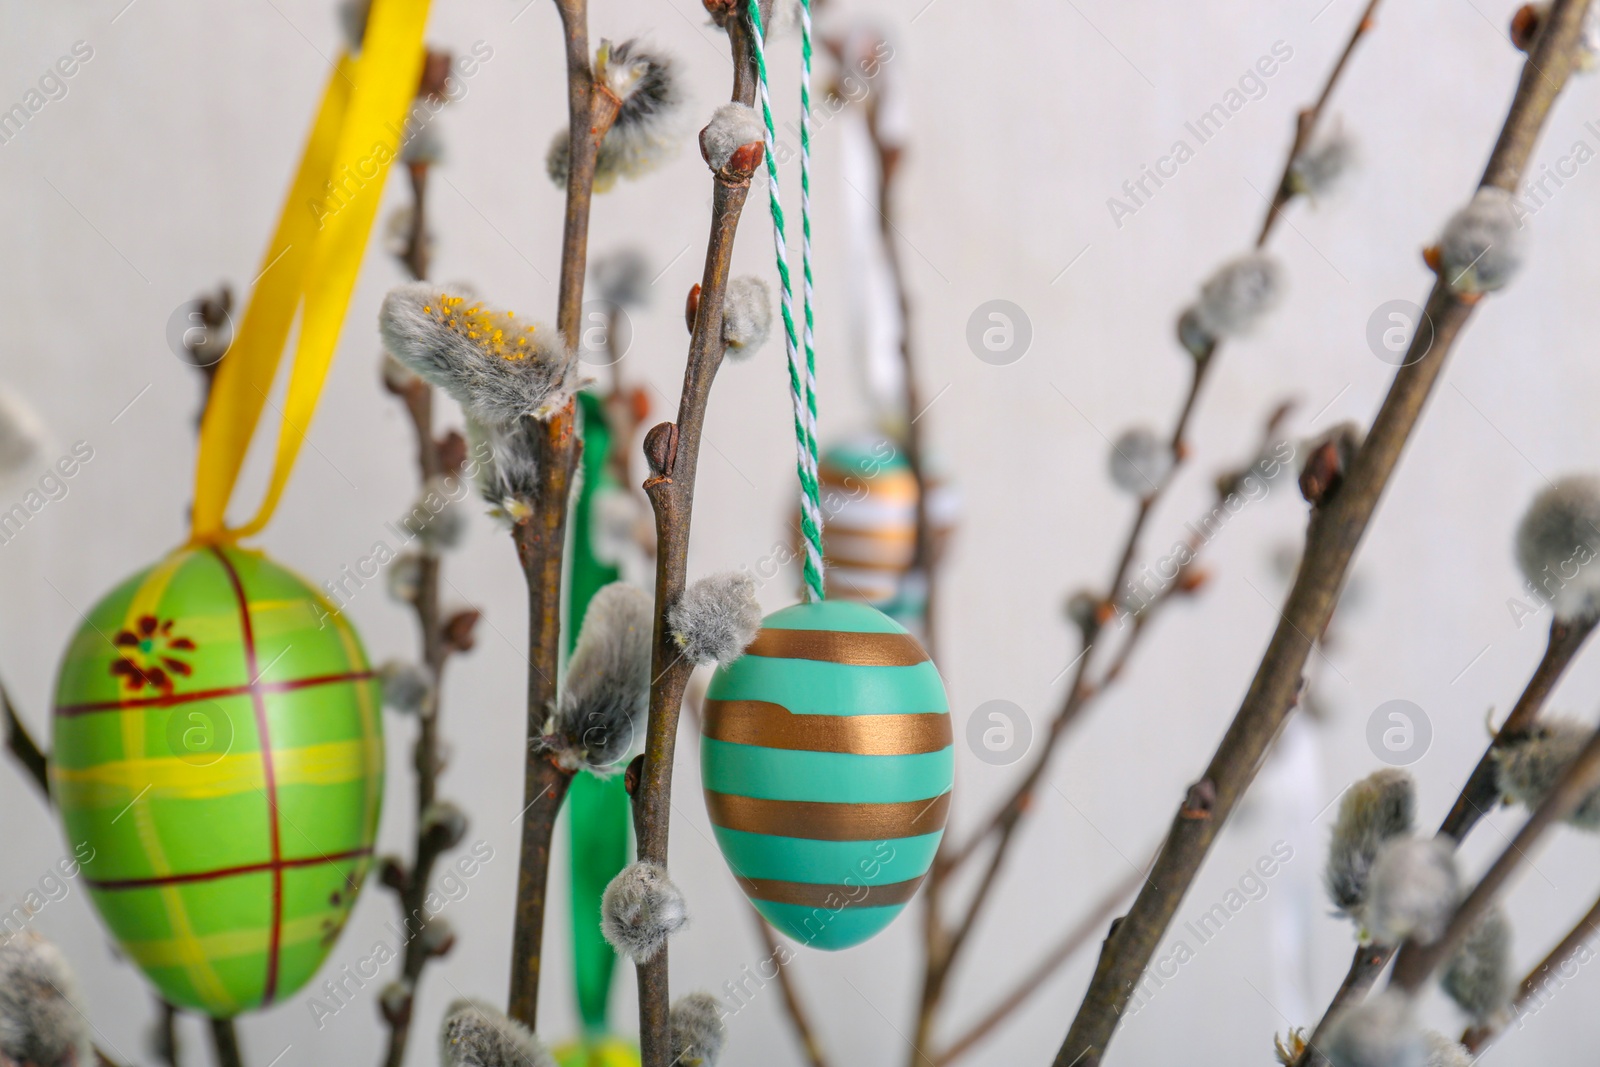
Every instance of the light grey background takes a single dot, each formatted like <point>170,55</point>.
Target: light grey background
<point>160,173</point>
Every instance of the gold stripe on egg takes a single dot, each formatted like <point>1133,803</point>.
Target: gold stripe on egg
<point>832,897</point>
<point>759,722</point>
<point>819,821</point>
<point>884,488</point>
<point>837,646</point>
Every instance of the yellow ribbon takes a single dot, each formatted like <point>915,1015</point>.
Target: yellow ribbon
<point>313,258</point>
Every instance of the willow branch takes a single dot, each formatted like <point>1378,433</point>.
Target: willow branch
<point>411,884</point>
<point>225,1043</point>
<point>1069,946</point>
<point>1477,797</point>
<point>1476,1038</point>
<point>541,537</point>
<point>1077,696</point>
<point>1335,531</point>
<point>799,1018</point>
<point>944,945</point>
<point>1306,123</point>
<point>673,452</point>
<point>922,561</point>
<point>22,746</point>
<point>166,1038</point>
<point>1415,963</point>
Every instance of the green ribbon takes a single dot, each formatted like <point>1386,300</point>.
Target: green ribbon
<point>600,818</point>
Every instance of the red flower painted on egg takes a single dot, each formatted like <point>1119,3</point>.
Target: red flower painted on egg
<point>149,657</point>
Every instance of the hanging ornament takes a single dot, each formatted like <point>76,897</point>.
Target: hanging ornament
<point>869,495</point>
<point>217,736</point>
<point>826,753</point>
<point>219,743</point>
<point>827,764</point>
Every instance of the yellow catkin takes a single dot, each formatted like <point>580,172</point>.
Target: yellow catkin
<point>487,329</point>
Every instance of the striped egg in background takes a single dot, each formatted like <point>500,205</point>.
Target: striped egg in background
<point>869,506</point>
<point>218,749</point>
<point>827,763</point>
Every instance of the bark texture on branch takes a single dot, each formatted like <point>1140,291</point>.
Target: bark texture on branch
<point>541,538</point>
<point>673,451</point>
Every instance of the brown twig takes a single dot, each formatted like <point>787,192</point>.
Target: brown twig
<point>225,1043</point>
<point>22,745</point>
<point>798,1016</point>
<point>1069,945</point>
<point>540,539</point>
<point>1415,963</point>
<point>1480,794</point>
<point>1335,530</point>
<point>416,255</point>
<point>944,944</point>
<point>411,884</point>
<point>923,561</point>
<point>672,450</point>
<point>1306,123</point>
<point>1477,797</point>
<point>166,1040</point>
<point>1478,1038</point>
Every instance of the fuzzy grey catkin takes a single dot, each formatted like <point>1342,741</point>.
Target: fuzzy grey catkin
<point>1374,810</point>
<point>746,316</point>
<point>423,143</point>
<point>608,677</point>
<point>41,1023</point>
<point>1192,335</point>
<point>435,518</point>
<point>476,1034</point>
<point>698,1033</point>
<point>498,367</point>
<point>1239,295</point>
<point>1139,461</point>
<point>716,618</point>
<point>507,472</point>
<point>1478,976</point>
<point>1557,543</point>
<point>353,22</point>
<point>1082,609</point>
<point>622,277</point>
<point>438,937</point>
<point>444,824</point>
<point>1378,1032</point>
<point>1481,248</point>
<point>640,910</point>
<point>732,126</point>
<point>646,130</point>
<point>1527,769</point>
<point>1324,165</point>
<point>406,688</point>
<point>1412,892</point>
<point>1445,1052</point>
<point>21,434</point>
<point>403,578</point>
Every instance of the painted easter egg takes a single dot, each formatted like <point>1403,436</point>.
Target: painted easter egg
<point>219,746</point>
<point>869,506</point>
<point>827,763</point>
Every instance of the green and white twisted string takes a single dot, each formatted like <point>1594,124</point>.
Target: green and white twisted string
<point>802,376</point>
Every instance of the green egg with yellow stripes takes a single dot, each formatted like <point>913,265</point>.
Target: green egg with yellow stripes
<point>827,763</point>
<point>218,764</point>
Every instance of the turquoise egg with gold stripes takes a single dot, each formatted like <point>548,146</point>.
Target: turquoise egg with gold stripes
<point>826,761</point>
<point>218,767</point>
